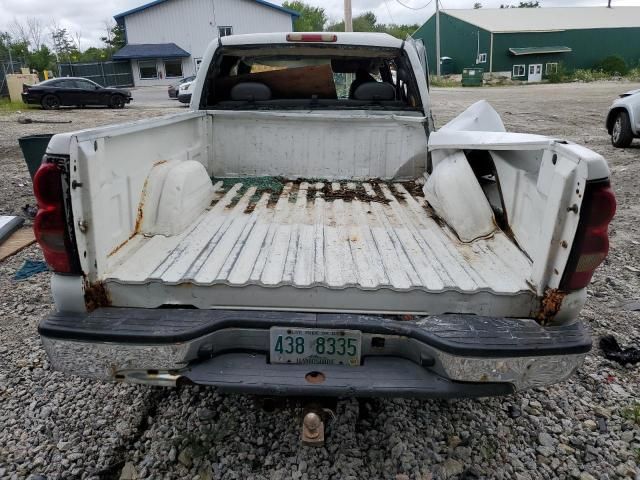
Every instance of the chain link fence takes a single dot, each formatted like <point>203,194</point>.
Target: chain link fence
<point>107,74</point>
<point>8,66</point>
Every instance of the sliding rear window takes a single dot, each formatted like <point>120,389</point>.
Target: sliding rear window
<point>311,77</point>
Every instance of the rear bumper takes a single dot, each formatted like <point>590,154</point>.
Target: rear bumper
<point>437,356</point>
<point>29,99</point>
<point>184,98</point>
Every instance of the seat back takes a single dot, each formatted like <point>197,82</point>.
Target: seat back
<point>250,91</point>
<point>375,91</point>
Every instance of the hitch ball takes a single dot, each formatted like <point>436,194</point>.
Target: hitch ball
<point>312,430</point>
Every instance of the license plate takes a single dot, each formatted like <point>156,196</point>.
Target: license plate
<point>311,346</point>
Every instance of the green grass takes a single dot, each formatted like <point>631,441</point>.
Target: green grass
<point>7,106</point>
<point>632,413</point>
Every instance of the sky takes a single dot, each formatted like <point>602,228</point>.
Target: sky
<point>87,17</point>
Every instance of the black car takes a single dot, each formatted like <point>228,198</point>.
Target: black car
<point>173,89</point>
<point>68,91</point>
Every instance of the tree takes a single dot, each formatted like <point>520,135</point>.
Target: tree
<point>11,47</point>
<point>41,59</point>
<point>63,44</point>
<point>114,39</point>
<point>477,5</point>
<point>311,19</point>
<point>93,54</point>
<point>30,31</point>
<point>365,22</point>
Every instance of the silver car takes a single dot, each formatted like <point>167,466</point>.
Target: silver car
<point>623,119</point>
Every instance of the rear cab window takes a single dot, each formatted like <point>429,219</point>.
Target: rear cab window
<point>310,77</point>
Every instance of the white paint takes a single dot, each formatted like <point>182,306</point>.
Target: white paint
<point>188,69</point>
<point>266,40</point>
<point>479,117</point>
<point>306,242</point>
<point>535,72</point>
<point>68,293</point>
<point>193,24</point>
<point>456,196</point>
<point>318,144</point>
<point>174,195</point>
<point>311,253</point>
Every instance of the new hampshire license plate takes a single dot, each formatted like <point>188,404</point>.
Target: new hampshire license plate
<point>311,346</point>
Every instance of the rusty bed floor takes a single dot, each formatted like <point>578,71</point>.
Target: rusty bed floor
<point>337,235</point>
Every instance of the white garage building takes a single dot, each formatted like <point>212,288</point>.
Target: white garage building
<point>166,39</point>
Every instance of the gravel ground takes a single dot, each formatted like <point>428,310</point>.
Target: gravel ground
<point>58,427</point>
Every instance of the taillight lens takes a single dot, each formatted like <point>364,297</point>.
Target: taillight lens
<point>312,37</point>
<point>50,226</point>
<point>591,243</point>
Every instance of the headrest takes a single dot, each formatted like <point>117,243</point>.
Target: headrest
<point>250,91</point>
<point>375,91</point>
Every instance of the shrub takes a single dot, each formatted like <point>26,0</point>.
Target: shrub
<point>634,74</point>
<point>583,75</point>
<point>614,65</point>
<point>561,75</point>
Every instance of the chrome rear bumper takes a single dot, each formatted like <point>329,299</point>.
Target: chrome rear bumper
<point>448,355</point>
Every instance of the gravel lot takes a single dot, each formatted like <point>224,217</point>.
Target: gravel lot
<point>58,427</point>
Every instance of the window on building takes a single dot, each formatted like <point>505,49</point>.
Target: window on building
<point>551,68</point>
<point>173,68</point>
<point>148,69</point>
<point>482,58</point>
<point>224,31</point>
<point>518,70</point>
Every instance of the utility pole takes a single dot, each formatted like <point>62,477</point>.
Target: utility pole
<point>437,38</point>
<point>348,17</point>
<point>609,5</point>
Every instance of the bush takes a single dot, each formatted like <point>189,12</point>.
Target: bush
<point>561,75</point>
<point>614,65</point>
<point>634,74</point>
<point>583,75</point>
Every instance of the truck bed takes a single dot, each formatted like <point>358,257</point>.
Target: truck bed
<point>314,245</point>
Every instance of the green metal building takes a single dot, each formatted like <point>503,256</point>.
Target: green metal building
<point>529,43</point>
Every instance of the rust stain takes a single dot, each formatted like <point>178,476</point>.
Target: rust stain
<point>118,247</point>
<point>550,305</point>
<point>96,296</point>
<point>143,197</point>
<point>413,188</point>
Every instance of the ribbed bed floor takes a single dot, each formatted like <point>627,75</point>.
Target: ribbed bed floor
<point>336,235</point>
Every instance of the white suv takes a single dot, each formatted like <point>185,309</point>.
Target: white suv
<point>623,119</point>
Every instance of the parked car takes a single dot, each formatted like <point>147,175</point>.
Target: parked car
<point>74,91</point>
<point>185,91</point>
<point>173,89</point>
<point>284,239</point>
<point>623,119</point>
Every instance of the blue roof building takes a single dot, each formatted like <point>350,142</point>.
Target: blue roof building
<point>166,39</point>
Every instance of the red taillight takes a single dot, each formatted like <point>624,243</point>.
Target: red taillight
<point>591,243</point>
<point>50,226</point>
<point>312,37</point>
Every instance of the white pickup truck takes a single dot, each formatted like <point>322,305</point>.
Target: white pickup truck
<point>305,230</point>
